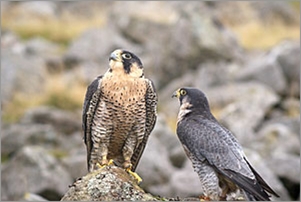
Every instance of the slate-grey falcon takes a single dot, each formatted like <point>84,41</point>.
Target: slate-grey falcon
<point>216,155</point>
<point>119,113</point>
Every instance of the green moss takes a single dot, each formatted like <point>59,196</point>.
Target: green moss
<point>4,158</point>
<point>61,30</point>
<point>59,154</point>
<point>62,101</point>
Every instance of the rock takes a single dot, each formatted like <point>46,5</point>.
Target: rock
<point>33,197</point>
<point>291,107</point>
<point>291,123</point>
<point>111,183</point>
<point>287,54</point>
<point>185,182</point>
<point>164,134</point>
<point>38,8</point>
<point>11,42</point>
<point>15,136</point>
<point>241,13</point>
<point>285,165</point>
<point>89,61</point>
<point>41,47</point>
<point>208,34</point>
<point>108,184</point>
<point>16,70</point>
<point>83,48</point>
<point>64,121</point>
<point>276,137</point>
<point>142,20</point>
<point>34,170</point>
<point>244,107</point>
<point>76,162</point>
<point>4,5</point>
<point>154,166</point>
<point>278,10</point>
<point>261,166</point>
<point>48,51</point>
<point>266,70</point>
<point>208,75</point>
<point>177,157</point>
<point>190,34</point>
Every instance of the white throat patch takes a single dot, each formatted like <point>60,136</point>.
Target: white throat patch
<point>184,109</point>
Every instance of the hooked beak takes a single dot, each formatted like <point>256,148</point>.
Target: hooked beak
<point>176,94</point>
<point>115,55</point>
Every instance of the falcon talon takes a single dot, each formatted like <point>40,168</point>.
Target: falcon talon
<point>111,162</point>
<point>100,166</point>
<point>204,198</point>
<point>135,175</point>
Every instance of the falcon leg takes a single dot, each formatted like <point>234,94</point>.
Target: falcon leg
<point>209,180</point>
<point>103,161</point>
<point>127,155</point>
<point>225,190</point>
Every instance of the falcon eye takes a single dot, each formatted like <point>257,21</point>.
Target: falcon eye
<point>183,92</point>
<point>126,56</point>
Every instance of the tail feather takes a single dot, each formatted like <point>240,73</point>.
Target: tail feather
<point>261,181</point>
<point>250,197</point>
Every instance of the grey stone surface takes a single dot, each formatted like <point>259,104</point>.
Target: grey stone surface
<point>33,170</point>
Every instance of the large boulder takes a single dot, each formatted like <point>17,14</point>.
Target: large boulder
<point>155,167</point>
<point>190,35</point>
<point>259,163</point>
<point>287,54</point>
<point>83,53</point>
<point>21,74</point>
<point>245,107</point>
<point>64,121</point>
<point>15,136</point>
<point>107,184</point>
<point>265,69</point>
<point>36,171</point>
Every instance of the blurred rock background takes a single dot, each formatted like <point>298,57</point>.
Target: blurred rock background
<point>244,55</point>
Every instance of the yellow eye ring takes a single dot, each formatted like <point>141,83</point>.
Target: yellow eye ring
<point>183,92</point>
<point>126,56</point>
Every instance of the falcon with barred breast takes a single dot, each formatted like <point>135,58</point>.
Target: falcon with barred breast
<point>119,114</point>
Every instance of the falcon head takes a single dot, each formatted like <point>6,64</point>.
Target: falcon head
<point>129,63</point>
<point>192,98</point>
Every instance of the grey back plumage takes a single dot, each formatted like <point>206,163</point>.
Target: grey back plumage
<point>208,141</point>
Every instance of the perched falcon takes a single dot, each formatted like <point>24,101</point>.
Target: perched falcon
<point>119,113</point>
<point>215,153</point>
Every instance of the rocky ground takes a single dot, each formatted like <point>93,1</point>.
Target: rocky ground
<point>253,87</point>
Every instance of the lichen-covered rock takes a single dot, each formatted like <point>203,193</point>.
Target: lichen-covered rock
<point>110,183</point>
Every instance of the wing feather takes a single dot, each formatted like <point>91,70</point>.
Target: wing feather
<point>208,140</point>
<point>90,104</point>
<point>151,101</point>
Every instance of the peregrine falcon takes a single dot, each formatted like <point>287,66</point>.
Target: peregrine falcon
<point>215,153</point>
<point>119,113</point>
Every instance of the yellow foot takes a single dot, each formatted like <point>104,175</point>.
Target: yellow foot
<point>135,175</point>
<point>99,166</point>
<point>204,198</point>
